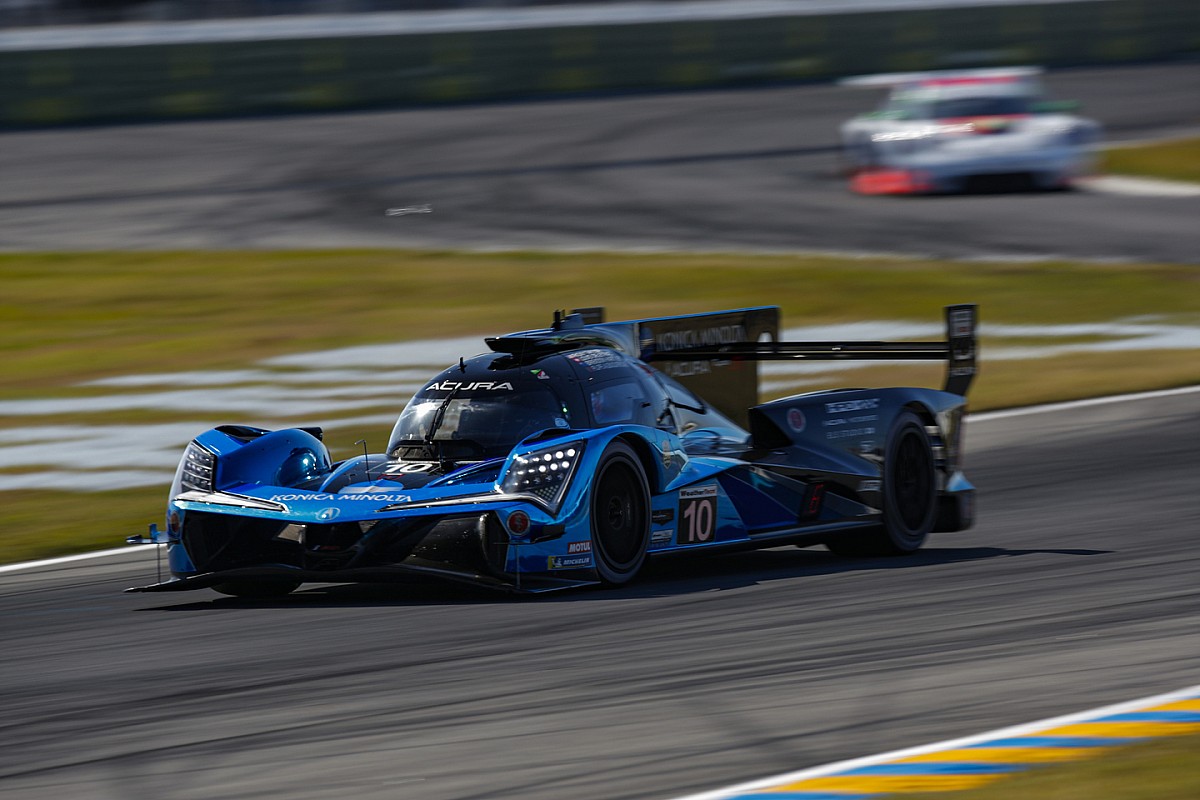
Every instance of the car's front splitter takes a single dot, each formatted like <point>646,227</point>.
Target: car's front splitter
<point>394,574</point>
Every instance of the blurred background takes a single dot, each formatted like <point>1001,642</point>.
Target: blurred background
<point>294,212</point>
<point>80,60</point>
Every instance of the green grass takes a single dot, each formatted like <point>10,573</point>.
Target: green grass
<point>68,318</point>
<point>1178,160</point>
<point>1162,769</point>
<point>65,318</point>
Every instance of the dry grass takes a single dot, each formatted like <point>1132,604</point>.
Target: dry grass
<point>1178,160</point>
<point>1162,769</point>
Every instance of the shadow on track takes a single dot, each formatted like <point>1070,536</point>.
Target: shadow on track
<point>679,575</point>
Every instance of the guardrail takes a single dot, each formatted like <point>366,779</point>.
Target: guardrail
<point>190,79</point>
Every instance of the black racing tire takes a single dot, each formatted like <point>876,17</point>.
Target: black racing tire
<point>909,496</point>
<point>620,511</point>
<point>256,590</point>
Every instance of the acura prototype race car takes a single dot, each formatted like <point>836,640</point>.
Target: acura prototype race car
<point>941,131</point>
<point>568,456</point>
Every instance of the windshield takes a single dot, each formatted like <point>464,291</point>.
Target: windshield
<point>981,106</point>
<point>480,427</point>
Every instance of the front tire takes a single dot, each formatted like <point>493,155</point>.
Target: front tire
<point>620,509</point>
<point>909,496</point>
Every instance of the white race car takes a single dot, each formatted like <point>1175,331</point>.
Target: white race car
<point>943,131</point>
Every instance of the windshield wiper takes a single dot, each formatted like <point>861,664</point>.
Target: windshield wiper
<point>438,417</point>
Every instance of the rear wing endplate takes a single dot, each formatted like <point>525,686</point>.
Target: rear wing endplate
<point>958,350</point>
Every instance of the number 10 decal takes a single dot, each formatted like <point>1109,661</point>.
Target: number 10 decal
<point>697,514</point>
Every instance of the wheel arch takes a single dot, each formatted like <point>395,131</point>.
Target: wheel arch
<point>937,437</point>
<point>645,453</point>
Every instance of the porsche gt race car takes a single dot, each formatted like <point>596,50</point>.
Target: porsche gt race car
<point>570,455</point>
<point>938,131</point>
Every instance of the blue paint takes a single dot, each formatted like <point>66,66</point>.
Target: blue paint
<point>1153,716</point>
<point>801,796</point>
<point>935,768</point>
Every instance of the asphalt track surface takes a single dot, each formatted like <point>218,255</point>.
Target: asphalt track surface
<point>706,170</point>
<point>1077,589</point>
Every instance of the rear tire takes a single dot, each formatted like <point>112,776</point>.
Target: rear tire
<point>620,515</point>
<point>256,590</point>
<point>909,496</point>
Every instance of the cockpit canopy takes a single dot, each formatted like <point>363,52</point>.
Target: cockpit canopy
<point>487,405</point>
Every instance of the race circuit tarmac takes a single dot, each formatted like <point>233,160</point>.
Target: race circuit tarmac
<point>1077,589</point>
<point>751,169</point>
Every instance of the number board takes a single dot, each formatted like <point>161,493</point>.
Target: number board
<point>697,514</point>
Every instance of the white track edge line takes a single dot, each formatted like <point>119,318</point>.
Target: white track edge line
<point>1090,401</point>
<point>54,562</point>
<point>949,744</point>
<point>983,417</point>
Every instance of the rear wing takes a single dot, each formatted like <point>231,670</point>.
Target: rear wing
<point>727,384</point>
<point>716,354</point>
<point>958,350</point>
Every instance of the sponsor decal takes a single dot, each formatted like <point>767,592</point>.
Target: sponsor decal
<point>383,497</point>
<point>795,420</point>
<point>708,490</point>
<point>595,360</point>
<point>559,422</point>
<point>662,515</point>
<point>682,369</point>
<point>669,454</point>
<point>568,562</point>
<point>470,386</point>
<point>700,337</point>
<point>850,433</point>
<point>540,374</point>
<point>960,322</point>
<point>660,538</point>
<point>846,406</point>
<point>327,514</point>
<point>579,547</point>
<point>518,523</point>
<point>697,514</point>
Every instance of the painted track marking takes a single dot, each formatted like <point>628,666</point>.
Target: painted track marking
<point>976,760</point>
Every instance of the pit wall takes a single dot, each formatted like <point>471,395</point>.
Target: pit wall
<point>230,78</point>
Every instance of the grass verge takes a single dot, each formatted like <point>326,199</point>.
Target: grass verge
<point>68,318</point>
<point>1177,160</point>
<point>1162,769</point>
<point>65,318</point>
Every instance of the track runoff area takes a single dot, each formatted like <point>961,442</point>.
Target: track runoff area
<point>955,764</point>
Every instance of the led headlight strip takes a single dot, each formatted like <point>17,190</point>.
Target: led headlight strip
<point>198,469</point>
<point>543,475</point>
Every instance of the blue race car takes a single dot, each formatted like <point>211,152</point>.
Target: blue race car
<point>570,455</point>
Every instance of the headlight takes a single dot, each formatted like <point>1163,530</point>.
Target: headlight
<point>544,474</point>
<point>197,469</point>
